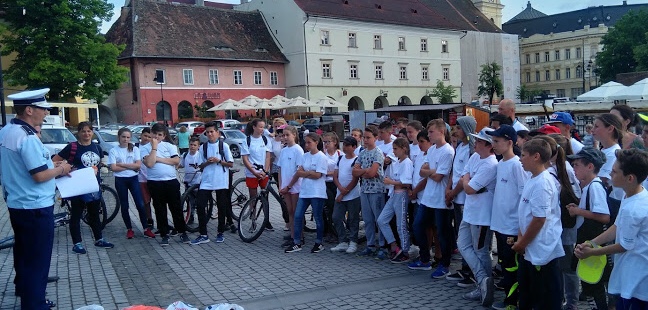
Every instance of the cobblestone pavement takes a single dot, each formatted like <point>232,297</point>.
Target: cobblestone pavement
<point>256,275</point>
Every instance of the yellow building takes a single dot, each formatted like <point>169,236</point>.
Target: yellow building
<point>492,9</point>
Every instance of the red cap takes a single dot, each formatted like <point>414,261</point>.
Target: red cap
<point>548,129</point>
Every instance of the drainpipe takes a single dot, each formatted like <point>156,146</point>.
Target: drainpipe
<point>306,59</point>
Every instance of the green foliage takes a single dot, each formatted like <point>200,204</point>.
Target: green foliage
<point>525,94</point>
<point>490,82</point>
<point>625,47</point>
<point>201,111</point>
<point>445,94</point>
<point>58,45</point>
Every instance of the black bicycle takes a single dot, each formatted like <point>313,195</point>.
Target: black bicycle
<point>108,209</point>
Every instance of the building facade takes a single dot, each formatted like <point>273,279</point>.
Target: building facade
<point>492,9</point>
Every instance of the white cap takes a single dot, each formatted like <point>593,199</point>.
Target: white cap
<point>482,135</point>
<point>31,97</point>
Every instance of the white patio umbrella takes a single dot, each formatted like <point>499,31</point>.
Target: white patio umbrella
<point>279,98</point>
<point>250,100</point>
<point>299,102</point>
<point>601,93</point>
<point>330,103</point>
<point>265,104</point>
<point>230,105</point>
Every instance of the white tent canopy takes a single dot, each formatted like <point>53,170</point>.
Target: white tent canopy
<point>229,105</point>
<point>637,90</point>
<point>602,93</point>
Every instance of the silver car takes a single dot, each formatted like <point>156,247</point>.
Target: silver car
<point>108,140</point>
<point>234,138</point>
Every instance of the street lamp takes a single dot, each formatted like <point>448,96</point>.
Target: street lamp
<point>589,74</point>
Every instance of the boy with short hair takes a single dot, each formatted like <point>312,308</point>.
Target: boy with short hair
<point>539,235</point>
<point>192,174</point>
<point>629,275</point>
<point>385,142</point>
<point>356,133</point>
<point>347,199</point>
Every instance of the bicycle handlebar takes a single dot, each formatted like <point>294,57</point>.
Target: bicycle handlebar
<point>260,168</point>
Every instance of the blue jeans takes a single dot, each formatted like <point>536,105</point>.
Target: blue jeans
<point>317,204</point>
<point>372,205</point>
<point>122,186</point>
<point>474,244</point>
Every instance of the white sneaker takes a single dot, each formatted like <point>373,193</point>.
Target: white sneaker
<point>353,247</point>
<point>341,247</point>
<point>413,251</point>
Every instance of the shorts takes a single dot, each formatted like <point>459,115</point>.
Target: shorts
<point>255,182</point>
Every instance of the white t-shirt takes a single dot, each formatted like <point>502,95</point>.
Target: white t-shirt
<point>482,172</point>
<point>345,176</point>
<point>386,148</point>
<point>415,151</point>
<point>289,160</point>
<point>123,156</point>
<point>332,162</point>
<point>416,175</point>
<point>610,158</point>
<point>462,154</point>
<point>540,199</point>
<point>358,149</point>
<point>630,276</point>
<point>576,146</point>
<point>508,190</point>
<point>256,153</point>
<point>597,200</point>
<point>276,150</point>
<point>142,176</point>
<point>400,171</point>
<point>517,125</point>
<point>214,176</point>
<point>191,174</point>
<point>160,171</point>
<point>440,159</point>
<point>314,188</point>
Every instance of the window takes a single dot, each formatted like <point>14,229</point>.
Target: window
<point>537,76</point>
<point>187,75</point>
<point>424,45</point>
<point>537,57</point>
<point>446,73</point>
<point>560,93</point>
<point>558,76</point>
<point>377,42</point>
<point>568,73</point>
<point>557,55</point>
<point>213,76</point>
<point>274,78</point>
<point>324,34</point>
<point>238,77</point>
<point>257,78</point>
<point>160,77</point>
<point>352,39</point>
<point>546,56</point>
<point>444,46</point>
<point>579,72</point>
<point>568,53</point>
<point>425,74</point>
<point>579,53</point>
<point>403,72</point>
<point>401,43</point>
<point>353,71</point>
<point>379,72</point>
<point>326,70</point>
<point>527,57</point>
<point>528,77</point>
<point>575,92</point>
<point>547,75</point>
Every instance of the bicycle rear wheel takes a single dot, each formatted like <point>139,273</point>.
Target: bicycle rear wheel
<point>253,219</point>
<point>239,194</point>
<point>102,214</point>
<point>110,204</point>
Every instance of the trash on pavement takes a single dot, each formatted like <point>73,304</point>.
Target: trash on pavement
<point>179,305</point>
<point>224,307</point>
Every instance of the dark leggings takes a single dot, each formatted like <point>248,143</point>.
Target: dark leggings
<point>329,205</point>
<point>122,186</point>
<point>93,218</point>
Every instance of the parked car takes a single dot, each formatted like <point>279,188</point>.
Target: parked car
<point>222,124</point>
<point>190,126</point>
<point>55,138</point>
<point>325,121</point>
<point>108,140</point>
<point>240,126</point>
<point>137,131</point>
<point>233,137</point>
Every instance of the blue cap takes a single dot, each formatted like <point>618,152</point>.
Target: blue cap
<point>504,131</point>
<point>561,117</point>
<point>31,98</point>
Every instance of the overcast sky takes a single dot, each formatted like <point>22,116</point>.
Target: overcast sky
<point>512,7</point>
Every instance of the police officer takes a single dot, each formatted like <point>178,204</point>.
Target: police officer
<point>28,178</point>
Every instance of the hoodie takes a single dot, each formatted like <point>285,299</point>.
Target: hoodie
<point>468,124</point>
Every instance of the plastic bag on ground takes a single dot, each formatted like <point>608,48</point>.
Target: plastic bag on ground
<point>224,307</point>
<point>179,305</point>
<point>91,307</point>
<point>142,307</point>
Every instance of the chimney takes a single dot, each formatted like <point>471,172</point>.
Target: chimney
<point>625,2</point>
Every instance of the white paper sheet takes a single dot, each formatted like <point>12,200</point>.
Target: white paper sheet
<point>81,181</point>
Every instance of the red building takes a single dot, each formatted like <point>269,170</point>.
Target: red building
<point>185,56</point>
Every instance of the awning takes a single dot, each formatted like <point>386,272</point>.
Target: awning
<point>83,105</point>
<point>424,107</point>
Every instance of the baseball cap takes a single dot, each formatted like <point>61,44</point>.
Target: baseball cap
<point>348,140</point>
<point>504,131</point>
<point>590,154</point>
<point>561,117</point>
<point>482,135</point>
<point>377,121</point>
<point>548,129</point>
<point>34,98</point>
<point>643,117</point>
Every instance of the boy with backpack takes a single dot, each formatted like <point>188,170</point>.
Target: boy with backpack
<point>347,199</point>
<point>190,162</point>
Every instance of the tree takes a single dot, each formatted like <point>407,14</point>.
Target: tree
<point>58,45</point>
<point>445,94</point>
<point>525,94</point>
<point>490,82</point>
<point>624,46</point>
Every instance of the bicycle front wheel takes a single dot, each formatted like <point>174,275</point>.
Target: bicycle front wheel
<point>239,196</point>
<point>253,219</point>
<point>109,204</point>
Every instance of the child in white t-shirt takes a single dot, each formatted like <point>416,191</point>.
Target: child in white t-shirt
<point>145,138</point>
<point>289,182</point>
<point>191,163</point>
<point>347,200</point>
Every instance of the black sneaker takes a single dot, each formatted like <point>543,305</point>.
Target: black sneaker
<point>457,276</point>
<point>499,285</point>
<point>293,248</point>
<point>184,238</point>
<point>233,228</point>
<point>269,227</point>
<point>165,241</point>
<point>157,232</point>
<point>467,282</point>
<point>318,247</point>
<point>173,233</point>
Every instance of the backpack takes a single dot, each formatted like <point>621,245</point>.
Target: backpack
<point>73,150</point>
<point>220,150</point>
<point>565,199</point>
<point>590,228</point>
<point>248,139</point>
<point>352,164</point>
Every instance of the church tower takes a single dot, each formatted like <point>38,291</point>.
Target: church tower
<point>492,9</point>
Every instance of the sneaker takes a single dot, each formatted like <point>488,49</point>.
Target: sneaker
<point>500,305</point>
<point>184,238</point>
<point>497,274</point>
<point>353,247</point>
<point>486,288</point>
<point>293,248</point>
<point>165,241</point>
<point>440,273</point>
<point>269,227</point>
<point>474,295</point>
<point>418,265</point>
<point>200,240</point>
<point>341,247</point>
<point>101,243</point>
<point>457,276</point>
<point>157,232</point>
<point>173,233</point>
<point>413,251</point>
<point>220,238</point>
<point>400,257</point>
<point>130,234</point>
<point>499,285</point>
<point>233,229</point>
<point>368,251</point>
<point>149,233</point>
<point>318,247</point>
<point>286,228</point>
<point>467,282</point>
<point>382,255</point>
<point>79,249</point>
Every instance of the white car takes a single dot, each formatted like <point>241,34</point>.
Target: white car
<point>55,138</point>
<point>107,140</point>
<point>190,126</point>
